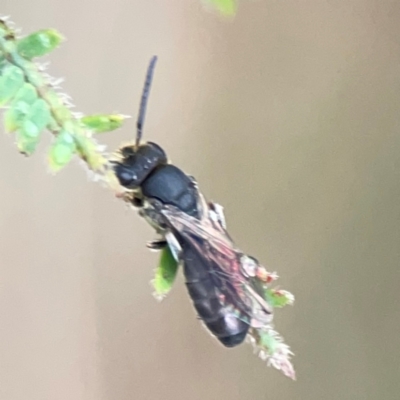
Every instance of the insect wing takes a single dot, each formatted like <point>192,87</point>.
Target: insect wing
<point>210,240</point>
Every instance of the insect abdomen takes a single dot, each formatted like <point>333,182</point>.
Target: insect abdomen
<point>219,319</point>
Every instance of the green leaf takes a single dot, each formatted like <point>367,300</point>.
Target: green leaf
<point>27,94</point>
<point>3,63</point>
<point>268,342</point>
<point>29,128</point>
<point>26,142</point>
<point>13,117</point>
<point>39,43</point>
<point>61,151</point>
<point>11,79</point>
<point>87,150</point>
<point>19,107</point>
<point>165,273</point>
<point>278,298</point>
<point>30,120</point>
<point>38,115</point>
<point>271,347</point>
<point>227,8</point>
<point>22,83</point>
<point>103,123</point>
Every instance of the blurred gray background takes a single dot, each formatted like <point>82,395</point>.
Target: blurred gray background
<point>289,116</point>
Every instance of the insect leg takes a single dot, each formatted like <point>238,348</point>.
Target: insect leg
<point>157,244</point>
<point>192,180</point>
<point>174,245</point>
<point>217,214</point>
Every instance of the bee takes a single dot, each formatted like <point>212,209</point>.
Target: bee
<point>227,286</point>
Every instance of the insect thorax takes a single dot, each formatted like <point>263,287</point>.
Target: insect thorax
<point>151,212</point>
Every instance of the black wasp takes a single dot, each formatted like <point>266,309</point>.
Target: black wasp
<point>227,287</point>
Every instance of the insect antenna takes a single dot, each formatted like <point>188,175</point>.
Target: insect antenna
<point>144,99</point>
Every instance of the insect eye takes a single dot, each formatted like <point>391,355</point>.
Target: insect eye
<point>127,151</point>
<point>125,176</point>
<point>154,152</point>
